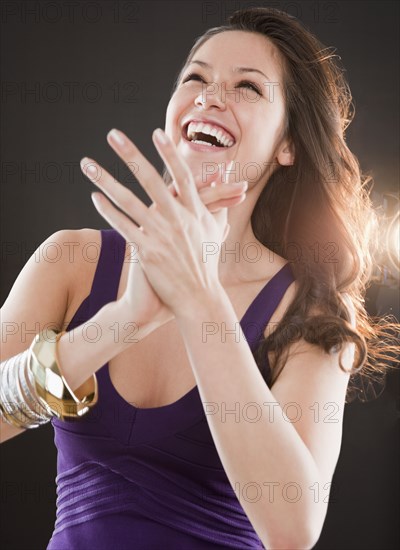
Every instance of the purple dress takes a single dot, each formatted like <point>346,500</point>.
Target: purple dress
<point>144,479</point>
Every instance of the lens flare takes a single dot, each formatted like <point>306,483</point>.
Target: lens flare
<point>393,244</point>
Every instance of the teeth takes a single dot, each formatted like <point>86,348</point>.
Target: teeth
<point>202,142</point>
<point>220,135</point>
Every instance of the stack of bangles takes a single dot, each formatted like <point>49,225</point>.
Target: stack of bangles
<point>33,390</point>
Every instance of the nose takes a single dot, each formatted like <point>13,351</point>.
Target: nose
<point>211,96</point>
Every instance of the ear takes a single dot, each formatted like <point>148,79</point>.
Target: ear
<point>286,156</point>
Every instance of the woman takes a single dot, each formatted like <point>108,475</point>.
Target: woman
<point>203,444</point>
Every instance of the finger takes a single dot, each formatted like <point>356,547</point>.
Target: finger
<point>131,205</point>
<point>143,170</point>
<point>218,192</point>
<point>219,196</point>
<point>213,172</point>
<point>225,203</point>
<point>172,189</point>
<point>214,184</point>
<point>118,220</point>
<point>179,171</point>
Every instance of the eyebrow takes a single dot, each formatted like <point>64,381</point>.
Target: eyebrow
<point>236,69</point>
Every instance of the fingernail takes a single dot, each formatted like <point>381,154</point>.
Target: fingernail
<point>89,167</point>
<point>213,184</point>
<point>91,170</point>
<point>116,137</point>
<point>86,164</point>
<point>95,198</point>
<point>161,136</point>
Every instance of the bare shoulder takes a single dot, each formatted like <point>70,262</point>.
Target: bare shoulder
<point>44,288</point>
<point>288,298</point>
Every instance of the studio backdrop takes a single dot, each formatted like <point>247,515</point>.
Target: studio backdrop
<point>70,72</point>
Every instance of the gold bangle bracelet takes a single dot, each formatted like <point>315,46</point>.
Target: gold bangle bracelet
<point>51,386</point>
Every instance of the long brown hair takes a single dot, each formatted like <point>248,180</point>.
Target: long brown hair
<point>317,213</point>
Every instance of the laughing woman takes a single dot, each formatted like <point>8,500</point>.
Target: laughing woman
<point>186,387</point>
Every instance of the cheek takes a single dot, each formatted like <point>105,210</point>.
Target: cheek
<point>174,113</point>
<point>261,133</point>
<point>266,120</point>
<point>182,100</point>
<point>169,118</point>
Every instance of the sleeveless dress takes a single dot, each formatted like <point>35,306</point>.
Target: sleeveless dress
<point>144,479</point>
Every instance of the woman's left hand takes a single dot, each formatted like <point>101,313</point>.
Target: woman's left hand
<point>178,242</point>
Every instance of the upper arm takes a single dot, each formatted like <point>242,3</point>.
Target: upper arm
<point>40,295</point>
<point>311,389</point>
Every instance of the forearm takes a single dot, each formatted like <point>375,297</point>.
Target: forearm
<point>260,449</point>
<point>81,352</point>
<point>85,349</point>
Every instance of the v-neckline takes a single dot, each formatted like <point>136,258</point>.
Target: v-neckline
<point>134,426</point>
<point>259,297</point>
<point>171,406</point>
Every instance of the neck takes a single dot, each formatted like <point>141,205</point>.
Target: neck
<point>242,257</point>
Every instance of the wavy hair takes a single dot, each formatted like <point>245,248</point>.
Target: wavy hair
<point>323,221</point>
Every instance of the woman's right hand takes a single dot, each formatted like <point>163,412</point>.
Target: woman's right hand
<point>139,300</point>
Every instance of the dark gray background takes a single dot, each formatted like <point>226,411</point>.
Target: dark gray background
<point>70,72</point>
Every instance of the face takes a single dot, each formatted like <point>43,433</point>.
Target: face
<point>242,113</point>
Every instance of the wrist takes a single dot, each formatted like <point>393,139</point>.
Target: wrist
<point>203,305</point>
<point>119,316</point>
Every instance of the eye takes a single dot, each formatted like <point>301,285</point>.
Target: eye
<point>251,85</point>
<point>193,76</point>
<point>241,84</point>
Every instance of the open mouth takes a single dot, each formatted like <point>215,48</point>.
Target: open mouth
<point>207,134</point>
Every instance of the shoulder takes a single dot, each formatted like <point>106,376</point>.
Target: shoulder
<point>58,258</point>
<point>73,247</point>
<point>44,288</point>
<point>301,345</point>
<point>69,239</point>
<point>77,236</point>
<point>290,295</point>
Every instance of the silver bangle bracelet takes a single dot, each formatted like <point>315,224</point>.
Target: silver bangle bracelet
<point>33,389</point>
<point>27,404</point>
<point>20,410</point>
<point>19,402</point>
